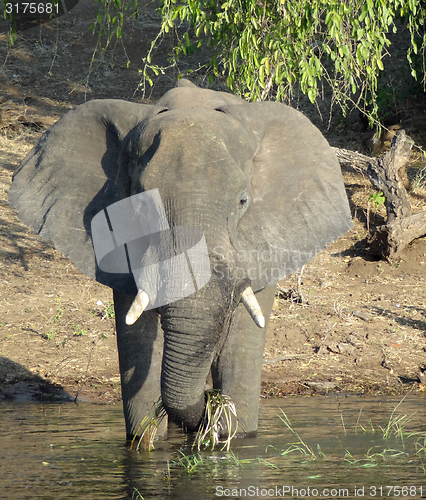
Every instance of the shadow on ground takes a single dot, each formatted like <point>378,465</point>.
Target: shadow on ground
<point>18,384</point>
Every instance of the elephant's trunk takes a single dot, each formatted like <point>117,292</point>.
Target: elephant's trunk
<point>193,329</point>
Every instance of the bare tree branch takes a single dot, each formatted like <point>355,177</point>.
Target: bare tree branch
<point>387,174</point>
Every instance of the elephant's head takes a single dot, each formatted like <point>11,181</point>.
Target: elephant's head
<point>255,184</point>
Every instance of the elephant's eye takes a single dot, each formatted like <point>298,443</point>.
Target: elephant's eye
<point>243,203</point>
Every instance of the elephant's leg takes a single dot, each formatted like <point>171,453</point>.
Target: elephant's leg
<point>237,369</point>
<point>140,353</point>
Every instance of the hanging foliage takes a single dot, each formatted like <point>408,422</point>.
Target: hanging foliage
<point>266,46</point>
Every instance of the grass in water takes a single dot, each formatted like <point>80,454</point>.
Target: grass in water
<point>300,445</point>
<point>412,452</point>
<point>196,463</point>
<point>218,417</point>
<point>395,427</point>
<point>148,428</point>
<point>188,462</point>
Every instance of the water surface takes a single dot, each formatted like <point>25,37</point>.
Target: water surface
<point>336,447</point>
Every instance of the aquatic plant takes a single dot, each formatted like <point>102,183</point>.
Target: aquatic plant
<point>220,415</point>
<point>220,419</point>
<point>148,428</point>
<point>300,445</point>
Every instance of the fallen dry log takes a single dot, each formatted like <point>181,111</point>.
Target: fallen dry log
<point>353,159</point>
<point>389,240</point>
<point>387,173</point>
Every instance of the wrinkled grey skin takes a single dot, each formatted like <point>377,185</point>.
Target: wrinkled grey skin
<point>253,176</point>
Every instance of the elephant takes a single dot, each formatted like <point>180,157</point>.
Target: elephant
<point>231,195</point>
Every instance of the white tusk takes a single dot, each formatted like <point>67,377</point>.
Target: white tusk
<point>137,308</point>
<point>252,305</point>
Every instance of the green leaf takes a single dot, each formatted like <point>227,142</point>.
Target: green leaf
<point>363,13</point>
<point>267,68</point>
<point>318,65</point>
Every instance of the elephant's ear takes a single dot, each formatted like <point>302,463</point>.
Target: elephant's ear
<point>78,168</point>
<point>299,203</point>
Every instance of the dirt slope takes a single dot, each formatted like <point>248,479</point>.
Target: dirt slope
<point>361,326</point>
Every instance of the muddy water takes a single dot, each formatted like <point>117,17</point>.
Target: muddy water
<point>336,449</point>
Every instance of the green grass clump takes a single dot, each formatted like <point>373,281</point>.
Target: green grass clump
<point>218,418</point>
<point>148,428</point>
<point>78,332</point>
<point>300,446</point>
<point>109,311</point>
